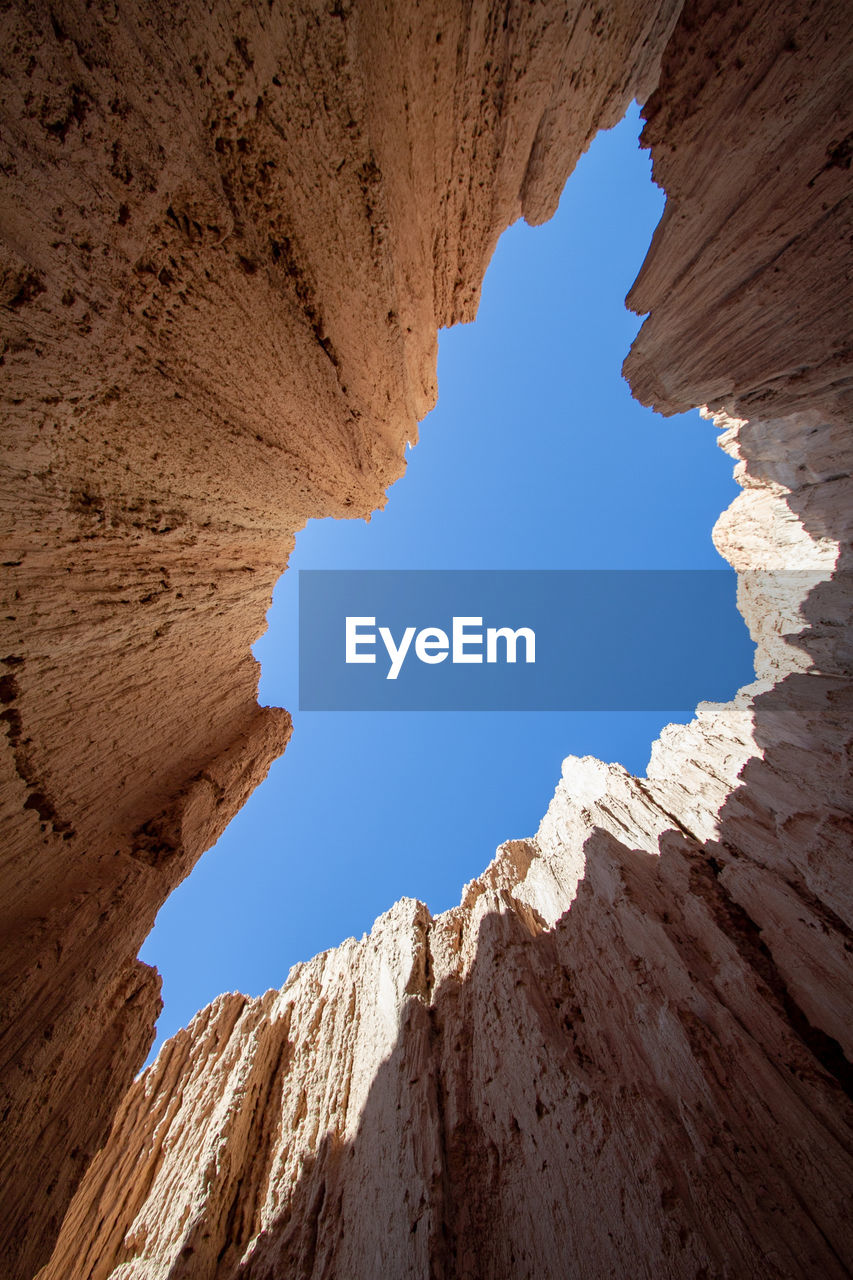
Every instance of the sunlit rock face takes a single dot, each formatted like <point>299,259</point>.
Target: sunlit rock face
<point>228,238</point>
<point>628,1047</point>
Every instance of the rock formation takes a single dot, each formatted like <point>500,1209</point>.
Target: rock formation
<point>229,234</point>
<point>629,1046</point>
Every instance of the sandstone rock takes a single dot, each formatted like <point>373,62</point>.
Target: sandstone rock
<point>750,131</point>
<point>229,236</point>
<point>624,1049</point>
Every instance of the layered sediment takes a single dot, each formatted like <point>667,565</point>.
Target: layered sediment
<point>229,235</point>
<point>628,1046</point>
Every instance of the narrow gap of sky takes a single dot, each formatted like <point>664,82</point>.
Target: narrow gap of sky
<point>536,457</point>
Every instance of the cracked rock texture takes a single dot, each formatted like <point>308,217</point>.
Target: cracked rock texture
<point>228,233</point>
<point>627,1051</point>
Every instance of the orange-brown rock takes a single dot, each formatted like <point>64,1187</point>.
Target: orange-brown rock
<point>748,279</point>
<point>627,1051</point>
<point>229,234</point>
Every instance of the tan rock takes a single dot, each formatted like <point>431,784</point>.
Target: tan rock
<point>228,238</point>
<point>626,1052</point>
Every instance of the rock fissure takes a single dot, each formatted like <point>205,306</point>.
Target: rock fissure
<point>227,240</point>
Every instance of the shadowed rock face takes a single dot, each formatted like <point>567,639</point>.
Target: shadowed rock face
<point>229,234</point>
<point>626,1051</point>
<point>228,237</point>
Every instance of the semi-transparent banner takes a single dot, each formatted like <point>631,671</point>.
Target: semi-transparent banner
<point>519,640</point>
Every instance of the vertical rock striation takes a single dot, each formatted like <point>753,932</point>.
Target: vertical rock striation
<point>628,1047</point>
<point>747,278</point>
<point>228,236</point>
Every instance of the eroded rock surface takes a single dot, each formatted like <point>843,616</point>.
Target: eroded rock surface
<point>229,234</point>
<point>628,1048</point>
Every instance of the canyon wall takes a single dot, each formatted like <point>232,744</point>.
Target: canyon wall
<point>229,234</point>
<point>627,1051</point>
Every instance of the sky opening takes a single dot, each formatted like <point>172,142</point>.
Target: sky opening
<point>536,457</point>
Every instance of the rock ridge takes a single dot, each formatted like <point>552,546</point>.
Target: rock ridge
<point>631,1039</point>
<point>228,236</point>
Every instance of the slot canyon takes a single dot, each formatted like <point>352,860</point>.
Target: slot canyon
<point>229,233</point>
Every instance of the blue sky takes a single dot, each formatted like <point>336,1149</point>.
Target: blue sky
<point>535,457</point>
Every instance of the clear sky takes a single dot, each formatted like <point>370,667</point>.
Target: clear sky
<point>535,457</point>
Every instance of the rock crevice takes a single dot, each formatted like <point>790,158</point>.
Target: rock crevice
<point>228,236</point>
